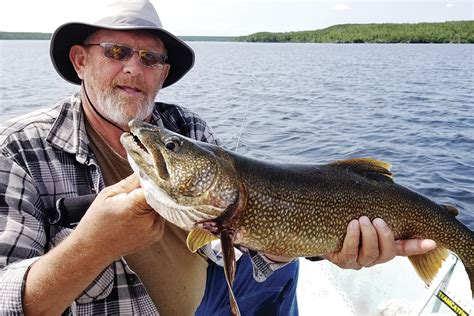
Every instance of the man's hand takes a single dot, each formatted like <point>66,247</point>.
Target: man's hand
<point>367,244</point>
<point>120,221</point>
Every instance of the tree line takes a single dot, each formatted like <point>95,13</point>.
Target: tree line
<point>47,36</point>
<point>446,32</point>
<point>24,36</point>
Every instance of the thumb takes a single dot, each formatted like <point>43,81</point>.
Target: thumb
<point>410,247</point>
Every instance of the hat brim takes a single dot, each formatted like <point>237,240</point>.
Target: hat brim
<point>180,55</point>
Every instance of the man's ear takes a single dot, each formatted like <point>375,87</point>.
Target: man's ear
<point>77,55</point>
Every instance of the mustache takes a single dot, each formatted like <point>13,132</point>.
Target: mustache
<point>134,82</point>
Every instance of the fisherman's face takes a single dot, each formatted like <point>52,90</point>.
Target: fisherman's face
<point>123,90</point>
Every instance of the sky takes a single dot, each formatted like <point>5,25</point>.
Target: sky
<point>240,17</point>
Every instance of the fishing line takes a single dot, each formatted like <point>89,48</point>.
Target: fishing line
<point>244,119</point>
<point>242,124</point>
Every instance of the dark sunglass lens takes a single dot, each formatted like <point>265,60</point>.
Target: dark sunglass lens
<point>117,52</point>
<point>151,59</point>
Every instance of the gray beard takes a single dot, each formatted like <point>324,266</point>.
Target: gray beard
<point>114,109</point>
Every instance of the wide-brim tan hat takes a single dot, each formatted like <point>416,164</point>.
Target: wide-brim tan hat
<point>120,15</point>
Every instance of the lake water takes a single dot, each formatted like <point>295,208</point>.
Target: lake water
<point>411,105</point>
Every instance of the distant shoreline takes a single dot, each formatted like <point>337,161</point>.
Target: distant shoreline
<point>445,32</point>
<point>47,36</point>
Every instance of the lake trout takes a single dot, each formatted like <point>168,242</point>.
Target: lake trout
<point>292,210</point>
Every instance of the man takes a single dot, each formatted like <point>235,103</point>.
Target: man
<point>123,258</point>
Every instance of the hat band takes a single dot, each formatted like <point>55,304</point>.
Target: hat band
<point>127,21</point>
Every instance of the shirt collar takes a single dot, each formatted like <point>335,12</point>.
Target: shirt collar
<point>68,131</point>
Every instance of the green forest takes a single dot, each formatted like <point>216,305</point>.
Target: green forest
<point>446,32</point>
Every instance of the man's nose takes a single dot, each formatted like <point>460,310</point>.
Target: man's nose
<point>133,65</point>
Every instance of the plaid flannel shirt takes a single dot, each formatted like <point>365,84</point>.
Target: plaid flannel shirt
<point>45,156</point>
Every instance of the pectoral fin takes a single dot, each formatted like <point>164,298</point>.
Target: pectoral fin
<point>428,264</point>
<point>198,238</point>
<point>229,269</point>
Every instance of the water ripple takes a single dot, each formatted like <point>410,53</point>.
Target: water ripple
<point>411,105</point>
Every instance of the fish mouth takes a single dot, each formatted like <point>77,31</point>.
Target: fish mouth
<point>147,160</point>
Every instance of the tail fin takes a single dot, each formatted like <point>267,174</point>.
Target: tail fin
<point>428,264</point>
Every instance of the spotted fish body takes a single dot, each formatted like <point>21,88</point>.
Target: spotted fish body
<point>291,210</point>
<point>304,210</point>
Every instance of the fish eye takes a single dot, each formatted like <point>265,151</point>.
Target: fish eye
<point>173,144</point>
<point>170,146</point>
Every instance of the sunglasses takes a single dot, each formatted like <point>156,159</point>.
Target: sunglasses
<point>123,53</point>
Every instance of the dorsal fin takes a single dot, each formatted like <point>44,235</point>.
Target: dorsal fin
<point>451,209</point>
<point>367,167</point>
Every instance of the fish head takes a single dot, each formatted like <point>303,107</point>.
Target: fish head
<point>186,181</point>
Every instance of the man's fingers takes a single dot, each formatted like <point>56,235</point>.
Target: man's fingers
<point>124,186</point>
<point>137,198</point>
<point>129,183</point>
<point>350,247</point>
<point>128,192</point>
<point>368,243</point>
<point>410,247</point>
<point>386,241</point>
<point>369,251</point>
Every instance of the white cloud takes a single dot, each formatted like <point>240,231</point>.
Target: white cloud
<point>340,7</point>
<point>449,5</point>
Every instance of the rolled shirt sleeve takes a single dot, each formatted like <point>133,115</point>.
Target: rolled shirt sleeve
<point>12,280</point>
<point>22,232</point>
